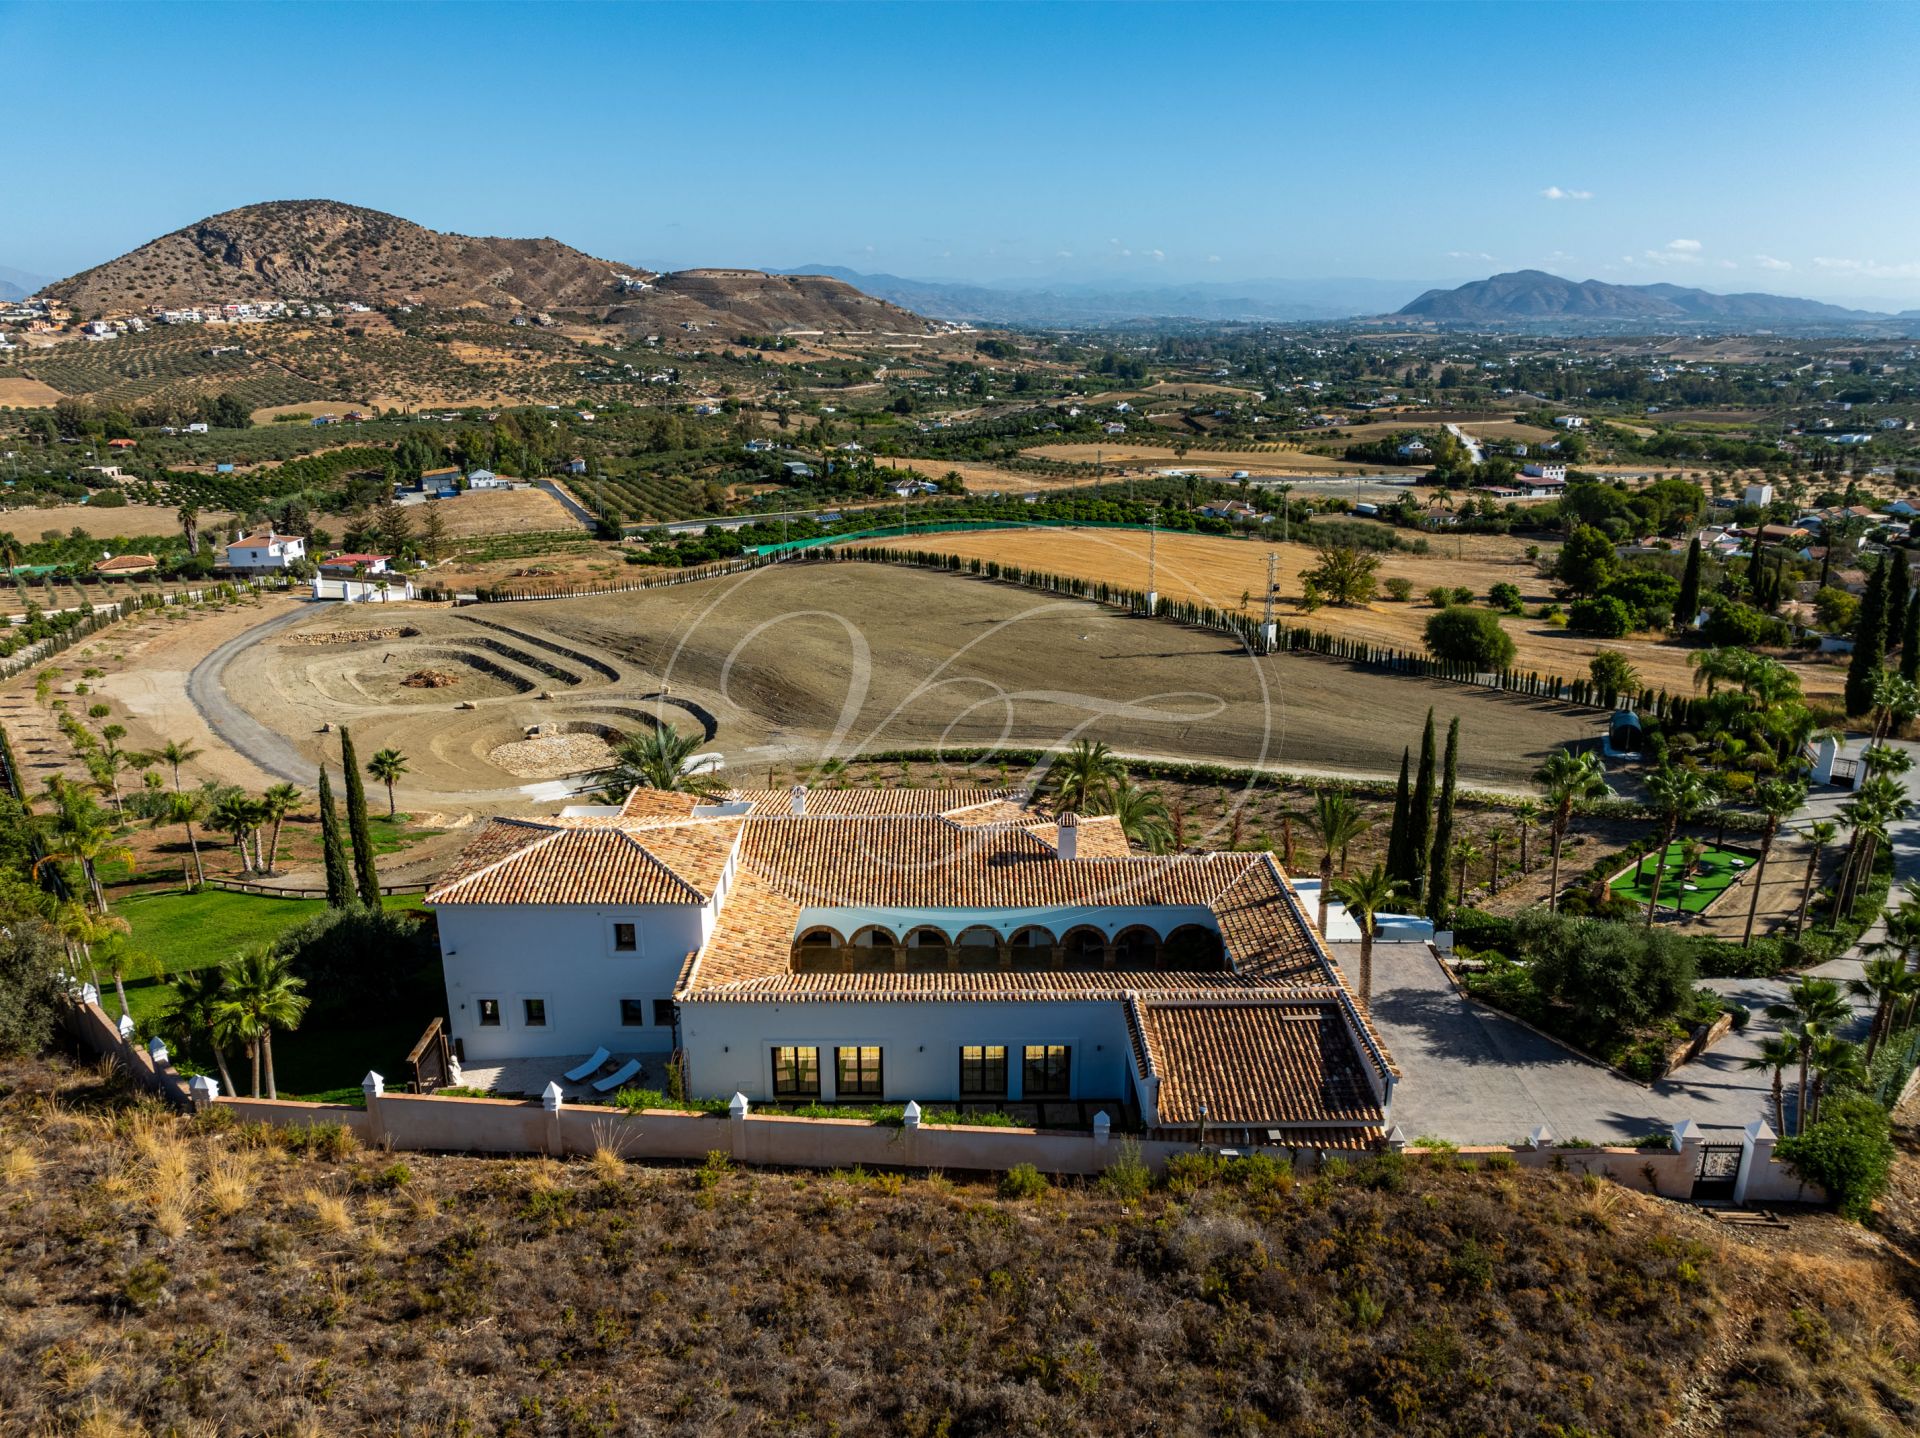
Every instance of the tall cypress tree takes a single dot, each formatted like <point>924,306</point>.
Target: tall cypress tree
<point>1443,830</point>
<point>339,881</point>
<point>366,876</point>
<point>1689,604</point>
<point>1899,594</point>
<point>1910,642</point>
<point>1869,642</point>
<point>1397,835</point>
<point>1420,814</point>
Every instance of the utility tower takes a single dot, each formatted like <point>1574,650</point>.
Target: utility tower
<point>1153,560</point>
<point>1268,634</point>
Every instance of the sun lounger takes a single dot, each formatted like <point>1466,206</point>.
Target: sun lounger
<point>587,1069</point>
<point>619,1076</point>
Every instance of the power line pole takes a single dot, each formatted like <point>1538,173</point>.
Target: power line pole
<point>1153,561</point>
<point>1267,633</point>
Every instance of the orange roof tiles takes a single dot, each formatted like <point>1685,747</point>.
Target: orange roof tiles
<point>1254,1063</point>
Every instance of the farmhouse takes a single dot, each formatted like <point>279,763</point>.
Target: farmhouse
<point>265,551</point>
<point>340,565</point>
<point>908,944</point>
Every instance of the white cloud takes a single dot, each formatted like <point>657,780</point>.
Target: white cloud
<point>1554,192</point>
<point>1213,259</point>
<point>1768,262</point>
<point>1063,254</point>
<point>1470,255</point>
<point>1157,255</point>
<point>1677,252</point>
<point>1871,268</point>
<point>1729,265</point>
<point>1127,253</point>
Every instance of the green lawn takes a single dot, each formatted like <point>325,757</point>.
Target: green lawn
<point>174,931</point>
<point>1713,876</point>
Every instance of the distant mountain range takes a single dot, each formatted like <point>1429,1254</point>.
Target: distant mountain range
<point>327,250</point>
<point>18,284</point>
<point>1534,295</point>
<point>1015,302</point>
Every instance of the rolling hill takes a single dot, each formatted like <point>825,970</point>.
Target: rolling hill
<point>326,250</point>
<point>1535,295</point>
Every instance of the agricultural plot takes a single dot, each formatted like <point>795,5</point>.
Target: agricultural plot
<point>121,373</point>
<point>1691,889</point>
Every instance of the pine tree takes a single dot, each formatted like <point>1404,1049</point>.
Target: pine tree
<point>1910,642</point>
<point>1689,604</point>
<point>1397,835</point>
<point>1869,642</point>
<point>339,881</point>
<point>1443,830</point>
<point>1420,813</point>
<point>366,876</point>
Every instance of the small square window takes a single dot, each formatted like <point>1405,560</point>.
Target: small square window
<point>633,1013</point>
<point>625,940</point>
<point>796,1072</point>
<point>489,1013</point>
<point>983,1071</point>
<point>663,1013</point>
<point>536,1013</point>
<point>1046,1071</point>
<point>857,1073</point>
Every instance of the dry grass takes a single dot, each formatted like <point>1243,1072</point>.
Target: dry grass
<point>537,1297</point>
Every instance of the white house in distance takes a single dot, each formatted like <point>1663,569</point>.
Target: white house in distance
<point>265,551</point>
<point>883,945</point>
<point>361,579</point>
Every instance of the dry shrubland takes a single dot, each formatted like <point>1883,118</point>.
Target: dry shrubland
<point>172,1275</point>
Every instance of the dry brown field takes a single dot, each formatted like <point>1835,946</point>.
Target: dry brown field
<point>28,394</point>
<point>122,522</point>
<point>1268,458</point>
<point>986,478</point>
<point>1218,571</point>
<point>505,511</point>
<point>309,406</point>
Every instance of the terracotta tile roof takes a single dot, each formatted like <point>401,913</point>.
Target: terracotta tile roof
<point>868,801</point>
<point>125,561</point>
<point>571,864</point>
<point>1101,836</point>
<point>644,803</point>
<point>1254,1063</point>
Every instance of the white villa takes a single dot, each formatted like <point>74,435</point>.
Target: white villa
<point>265,551</point>
<point>938,945</point>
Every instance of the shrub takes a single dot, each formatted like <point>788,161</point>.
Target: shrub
<point>1439,596</point>
<point>1848,1151</point>
<point>1399,589</point>
<point>30,961</point>
<point>1023,1180</point>
<point>1128,1175</point>
<point>1604,616</point>
<point>1469,636</point>
<point>1460,594</point>
<point>1505,597</point>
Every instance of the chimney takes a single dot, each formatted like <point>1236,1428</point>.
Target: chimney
<point>800,799</point>
<point>1069,844</point>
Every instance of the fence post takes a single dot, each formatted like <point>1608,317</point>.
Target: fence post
<point>1756,1152</point>
<point>551,1100</point>
<point>202,1091</point>
<point>737,1110</point>
<point>374,1088</point>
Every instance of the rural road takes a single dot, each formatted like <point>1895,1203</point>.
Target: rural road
<point>1474,447</point>
<point>235,727</point>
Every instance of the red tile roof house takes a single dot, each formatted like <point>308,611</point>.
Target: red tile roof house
<point>950,946</point>
<point>125,566</point>
<point>342,565</point>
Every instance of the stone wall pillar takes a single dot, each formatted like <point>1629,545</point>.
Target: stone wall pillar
<point>373,1088</point>
<point>1756,1153</point>
<point>551,1100</point>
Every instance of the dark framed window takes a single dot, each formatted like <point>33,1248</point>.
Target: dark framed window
<point>1046,1071</point>
<point>633,1013</point>
<point>625,939</point>
<point>663,1014</point>
<point>536,1013</point>
<point>856,1073</point>
<point>983,1071</point>
<point>489,1013</point>
<point>796,1072</point>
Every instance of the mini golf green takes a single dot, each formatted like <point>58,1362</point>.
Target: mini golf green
<point>1717,869</point>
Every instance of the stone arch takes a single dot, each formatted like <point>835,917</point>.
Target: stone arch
<point>925,949</point>
<point>875,936</point>
<point>1083,946</point>
<point>819,949</point>
<point>977,947</point>
<point>1136,947</point>
<point>1030,947</point>
<point>1195,947</point>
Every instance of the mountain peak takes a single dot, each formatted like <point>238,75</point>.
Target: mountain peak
<point>1535,295</point>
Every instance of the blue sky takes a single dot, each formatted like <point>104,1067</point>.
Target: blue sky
<point>1730,146</point>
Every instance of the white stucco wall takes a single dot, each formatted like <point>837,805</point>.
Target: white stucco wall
<point>730,1045</point>
<point>565,955</point>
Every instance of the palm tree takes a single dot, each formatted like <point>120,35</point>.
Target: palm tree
<point>1676,793</point>
<point>386,766</point>
<point>1465,852</point>
<point>261,993</point>
<point>1078,779</point>
<point>1820,833</point>
<point>278,802</point>
<point>1776,799</point>
<point>238,815</point>
<point>1778,1053</point>
<point>1525,815</point>
<point>1886,980</point>
<point>80,833</point>
<point>197,996</point>
<point>658,759</point>
<point>1142,814</point>
<point>1567,778</point>
<point>173,754</point>
<point>1814,1007</point>
<point>1836,1064</point>
<point>1337,821</point>
<point>1495,838</point>
<point>1365,895</point>
<point>185,810</point>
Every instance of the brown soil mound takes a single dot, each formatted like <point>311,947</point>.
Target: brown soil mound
<point>350,636</point>
<point>429,679</point>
